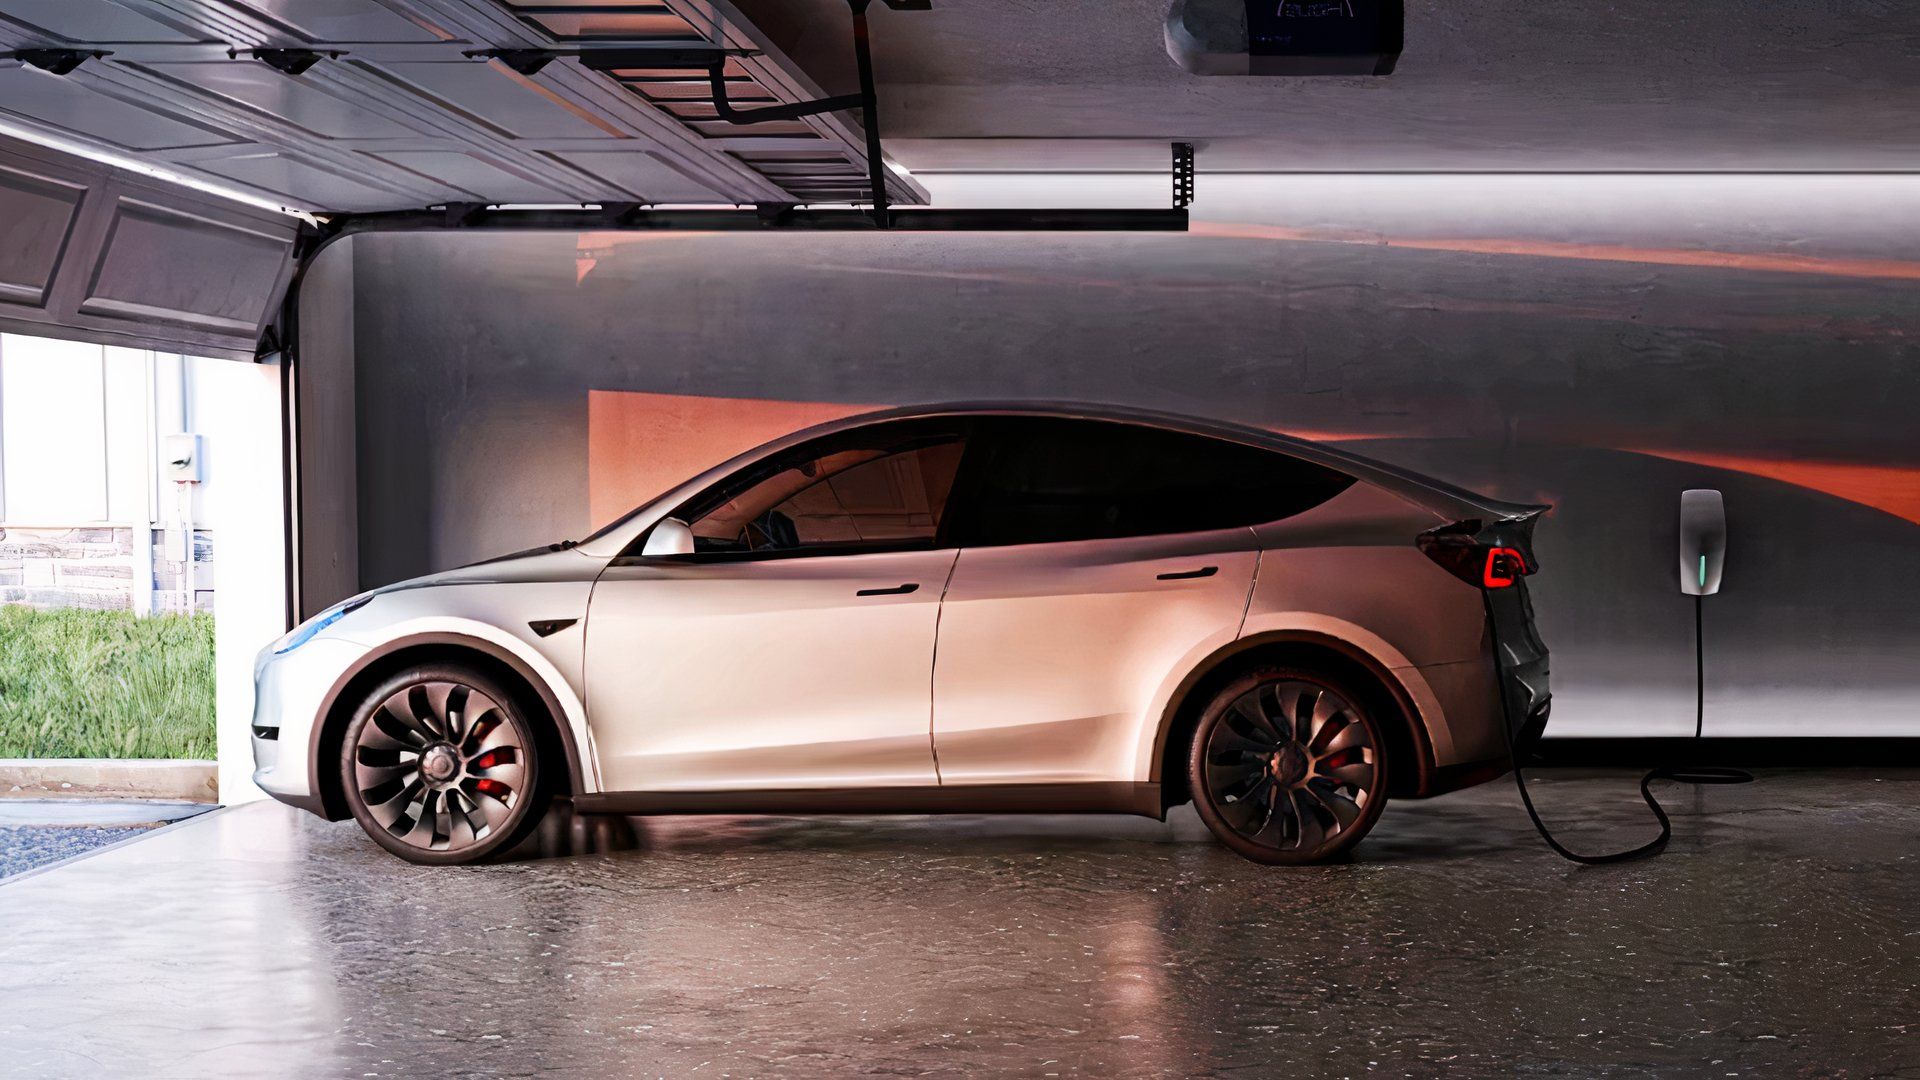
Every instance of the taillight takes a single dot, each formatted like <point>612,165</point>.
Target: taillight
<point>1504,567</point>
<point>1482,565</point>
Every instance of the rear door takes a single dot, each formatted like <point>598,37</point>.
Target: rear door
<point>1096,560</point>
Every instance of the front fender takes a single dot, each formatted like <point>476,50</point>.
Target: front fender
<point>533,664</point>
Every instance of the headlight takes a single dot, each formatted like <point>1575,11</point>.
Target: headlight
<point>303,633</point>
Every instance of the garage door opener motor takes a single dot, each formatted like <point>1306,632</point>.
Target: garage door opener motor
<point>1703,549</point>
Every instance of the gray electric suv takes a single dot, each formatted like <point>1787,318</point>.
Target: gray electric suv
<point>959,608</point>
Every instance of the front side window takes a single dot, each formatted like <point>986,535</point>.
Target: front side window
<point>861,494</point>
<point>1053,480</point>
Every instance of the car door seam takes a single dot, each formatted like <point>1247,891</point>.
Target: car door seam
<point>1253,584</point>
<point>933,666</point>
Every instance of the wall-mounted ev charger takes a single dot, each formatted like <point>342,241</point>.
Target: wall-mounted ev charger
<point>1703,555</point>
<point>1703,541</point>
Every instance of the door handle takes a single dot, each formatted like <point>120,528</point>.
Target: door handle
<point>897,590</point>
<point>1183,575</point>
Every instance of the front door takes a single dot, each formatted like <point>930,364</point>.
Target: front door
<point>794,648</point>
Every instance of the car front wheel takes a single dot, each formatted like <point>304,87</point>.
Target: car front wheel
<point>440,766</point>
<point>1287,767</point>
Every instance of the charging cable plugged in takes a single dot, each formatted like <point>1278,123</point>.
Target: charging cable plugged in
<point>1703,546</point>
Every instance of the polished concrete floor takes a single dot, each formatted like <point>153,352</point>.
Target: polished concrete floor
<point>1779,936</point>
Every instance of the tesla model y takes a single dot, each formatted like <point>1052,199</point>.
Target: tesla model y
<point>965,608</point>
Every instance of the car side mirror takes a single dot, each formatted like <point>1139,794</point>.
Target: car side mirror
<point>669,538</point>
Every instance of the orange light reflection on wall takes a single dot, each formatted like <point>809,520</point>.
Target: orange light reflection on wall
<point>640,445</point>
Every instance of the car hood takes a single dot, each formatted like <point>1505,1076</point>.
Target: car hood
<point>552,562</point>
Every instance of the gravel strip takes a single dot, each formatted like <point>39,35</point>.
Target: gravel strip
<point>23,848</point>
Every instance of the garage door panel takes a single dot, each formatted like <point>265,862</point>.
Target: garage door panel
<point>476,176</point>
<point>493,95</point>
<point>645,177</point>
<point>337,20</point>
<point>94,254</point>
<point>136,274</point>
<point>37,215</point>
<point>91,20</point>
<point>87,109</point>
<point>289,177</point>
<point>305,104</point>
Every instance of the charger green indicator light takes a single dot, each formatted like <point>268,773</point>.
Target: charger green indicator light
<point>1703,571</point>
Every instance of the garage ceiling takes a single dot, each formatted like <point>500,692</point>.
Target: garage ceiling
<point>403,118</point>
<point>1489,84</point>
<point>398,116</point>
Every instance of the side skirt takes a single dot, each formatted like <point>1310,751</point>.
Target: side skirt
<point>1081,798</point>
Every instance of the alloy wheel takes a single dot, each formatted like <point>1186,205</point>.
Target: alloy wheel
<point>440,766</point>
<point>1290,766</point>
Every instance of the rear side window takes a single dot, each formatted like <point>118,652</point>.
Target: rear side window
<point>1048,481</point>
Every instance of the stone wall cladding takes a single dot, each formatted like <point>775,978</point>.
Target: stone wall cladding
<point>92,566</point>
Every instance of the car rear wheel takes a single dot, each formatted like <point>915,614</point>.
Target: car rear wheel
<point>1287,767</point>
<point>440,766</point>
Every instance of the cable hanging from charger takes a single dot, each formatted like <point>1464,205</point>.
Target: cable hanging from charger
<point>1693,774</point>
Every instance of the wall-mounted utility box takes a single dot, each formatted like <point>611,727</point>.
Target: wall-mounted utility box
<point>181,458</point>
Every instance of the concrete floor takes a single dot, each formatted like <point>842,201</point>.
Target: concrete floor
<point>1777,937</point>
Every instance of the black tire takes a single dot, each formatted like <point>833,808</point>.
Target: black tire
<point>1288,767</point>
<point>418,725</point>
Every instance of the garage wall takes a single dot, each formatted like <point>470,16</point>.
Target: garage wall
<point>1596,343</point>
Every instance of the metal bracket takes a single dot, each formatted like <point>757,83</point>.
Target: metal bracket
<point>55,61</point>
<point>1182,175</point>
<point>287,61</point>
<point>523,61</point>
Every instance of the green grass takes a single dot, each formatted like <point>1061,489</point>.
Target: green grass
<point>78,683</point>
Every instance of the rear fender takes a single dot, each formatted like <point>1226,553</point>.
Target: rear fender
<point>1433,741</point>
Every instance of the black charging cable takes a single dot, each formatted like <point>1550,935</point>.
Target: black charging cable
<point>1691,774</point>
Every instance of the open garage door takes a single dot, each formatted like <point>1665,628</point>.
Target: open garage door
<point>98,254</point>
<point>362,105</point>
<point>163,275</point>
